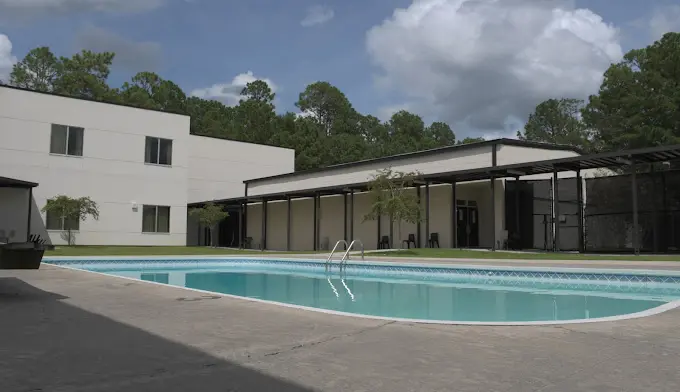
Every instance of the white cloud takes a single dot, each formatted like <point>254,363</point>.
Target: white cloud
<point>385,113</point>
<point>479,62</point>
<point>24,8</point>
<point>304,114</point>
<point>7,59</point>
<point>317,15</point>
<point>131,55</point>
<point>663,20</point>
<point>230,93</point>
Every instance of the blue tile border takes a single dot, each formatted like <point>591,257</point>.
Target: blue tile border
<point>489,275</point>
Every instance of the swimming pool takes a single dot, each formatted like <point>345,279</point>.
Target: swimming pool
<point>415,292</point>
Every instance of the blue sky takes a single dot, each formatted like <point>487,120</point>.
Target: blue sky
<point>421,63</point>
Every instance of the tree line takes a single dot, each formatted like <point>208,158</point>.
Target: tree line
<point>330,132</point>
<point>637,106</point>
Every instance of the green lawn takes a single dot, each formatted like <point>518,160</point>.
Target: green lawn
<point>473,254</point>
<point>149,251</point>
<point>415,253</point>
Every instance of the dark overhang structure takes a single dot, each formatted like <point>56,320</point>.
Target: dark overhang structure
<point>6,182</point>
<point>617,159</point>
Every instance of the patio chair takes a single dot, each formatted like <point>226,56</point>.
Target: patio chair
<point>411,239</point>
<point>434,239</point>
<point>325,243</point>
<point>384,242</point>
<point>248,243</point>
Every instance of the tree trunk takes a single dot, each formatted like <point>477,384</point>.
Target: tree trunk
<point>212,236</point>
<point>399,233</point>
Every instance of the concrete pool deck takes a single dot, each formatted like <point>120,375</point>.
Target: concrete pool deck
<point>66,330</point>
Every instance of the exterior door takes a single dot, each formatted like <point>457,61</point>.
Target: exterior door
<point>473,222</point>
<point>467,228</point>
<point>462,227</point>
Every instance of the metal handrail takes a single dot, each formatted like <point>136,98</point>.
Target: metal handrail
<point>345,257</point>
<point>330,256</point>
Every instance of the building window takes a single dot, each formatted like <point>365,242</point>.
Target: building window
<point>158,151</point>
<point>155,219</point>
<point>56,221</point>
<point>66,140</point>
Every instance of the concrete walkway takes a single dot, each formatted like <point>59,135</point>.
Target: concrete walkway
<point>63,330</point>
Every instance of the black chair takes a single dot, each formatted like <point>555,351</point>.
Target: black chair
<point>384,242</point>
<point>411,239</point>
<point>248,243</point>
<point>434,239</point>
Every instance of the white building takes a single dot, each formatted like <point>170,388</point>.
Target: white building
<point>142,167</point>
<point>343,203</point>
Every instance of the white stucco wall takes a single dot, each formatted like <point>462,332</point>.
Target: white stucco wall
<point>331,214</point>
<point>217,167</point>
<point>508,155</point>
<point>451,160</point>
<point>111,171</point>
<point>442,162</point>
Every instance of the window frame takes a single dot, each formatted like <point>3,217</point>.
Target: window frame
<point>156,215</point>
<point>66,140</point>
<point>158,151</point>
<point>62,223</point>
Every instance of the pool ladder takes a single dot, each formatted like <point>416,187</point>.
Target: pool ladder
<point>345,257</point>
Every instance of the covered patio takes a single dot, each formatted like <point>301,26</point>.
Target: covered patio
<point>505,217</point>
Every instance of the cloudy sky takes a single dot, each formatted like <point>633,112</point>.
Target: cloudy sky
<point>480,65</point>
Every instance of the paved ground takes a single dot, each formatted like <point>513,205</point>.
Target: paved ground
<point>64,330</point>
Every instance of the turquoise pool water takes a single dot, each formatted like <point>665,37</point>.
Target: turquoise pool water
<point>437,294</point>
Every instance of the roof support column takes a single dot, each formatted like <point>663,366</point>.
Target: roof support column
<point>288,223</point>
<point>494,163</point>
<point>655,213</point>
<point>493,211</point>
<point>427,213</point>
<point>351,214</point>
<point>418,228</point>
<point>518,229</point>
<point>344,212</point>
<point>263,242</point>
<point>665,235</point>
<point>240,224</point>
<point>391,217</point>
<point>636,242</point>
<point>244,234</point>
<point>556,211</point>
<point>454,216</point>
<point>581,220</point>
<point>316,221</point>
<point>30,207</point>
<point>378,227</point>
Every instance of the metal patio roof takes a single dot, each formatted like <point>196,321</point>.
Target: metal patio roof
<point>584,162</point>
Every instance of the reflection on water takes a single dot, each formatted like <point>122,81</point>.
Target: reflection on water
<point>405,299</point>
